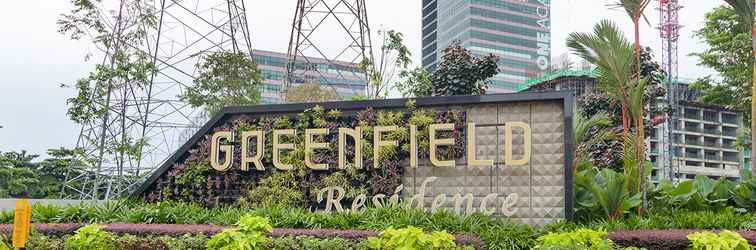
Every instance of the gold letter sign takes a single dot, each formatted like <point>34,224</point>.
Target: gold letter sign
<point>378,141</point>
<point>227,150</point>
<point>434,143</point>
<point>356,134</point>
<point>508,143</point>
<point>277,147</point>
<point>257,158</point>
<point>471,151</point>
<point>310,147</point>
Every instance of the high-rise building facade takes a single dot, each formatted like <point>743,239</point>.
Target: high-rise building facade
<point>346,78</point>
<point>518,31</point>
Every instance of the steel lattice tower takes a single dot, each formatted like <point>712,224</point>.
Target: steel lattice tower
<point>669,30</point>
<point>149,115</point>
<point>351,44</point>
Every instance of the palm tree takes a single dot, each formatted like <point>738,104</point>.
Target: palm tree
<point>745,9</point>
<point>609,50</point>
<point>612,53</point>
<point>634,9</point>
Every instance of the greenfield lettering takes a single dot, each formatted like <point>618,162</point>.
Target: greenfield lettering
<point>222,148</point>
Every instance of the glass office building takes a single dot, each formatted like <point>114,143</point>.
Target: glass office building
<point>518,31</point>
<point>345,78</point>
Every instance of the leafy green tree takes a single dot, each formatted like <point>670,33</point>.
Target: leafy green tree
<point>125,65</point>
<point>743,139</point>
<point>415,83</point>
<point>52,171</point>
<point>714,92</point>
<point>393,54</point>
<point>18,177</point>
<point>461,73</point>
<point>729,54</point>
<point>22,176</point>
<point>729,34</point>
<point>224,79</point>
<point>310,92</point>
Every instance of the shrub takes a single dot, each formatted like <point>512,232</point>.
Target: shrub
<point>3,243</point>
<point>609,192</point>
<point>726,240</point>
<point>186,241</point>
<point>579,239</point>
<point>91,237</point>
<point>249,234</point>
<point>725,218</point>
<point>278,189</point>
<point>497,233</point>
<point>670,239</point>
<point>44,242</point>
<point>308,242</point>
<point>744,193</point>
<point>699,194</point>
<point>411,238</point>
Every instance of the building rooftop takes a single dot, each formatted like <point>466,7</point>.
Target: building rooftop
<point>548,76</point>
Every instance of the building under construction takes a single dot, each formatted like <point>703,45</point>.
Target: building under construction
<point>702,135</point>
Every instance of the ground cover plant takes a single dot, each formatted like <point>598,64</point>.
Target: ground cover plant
<point>250,232</point>
<point>496,233</point>
<point>725,240</point>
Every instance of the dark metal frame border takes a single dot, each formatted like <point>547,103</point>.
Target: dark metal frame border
<point>567,98</point>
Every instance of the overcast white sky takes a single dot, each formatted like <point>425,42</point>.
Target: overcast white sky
<point>35,59</point>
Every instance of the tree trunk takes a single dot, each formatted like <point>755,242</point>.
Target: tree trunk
<point>636,22</point>
<point>640,140</point>
<point>625,122</point>
<point>574,162</point>
<point>753,103</point>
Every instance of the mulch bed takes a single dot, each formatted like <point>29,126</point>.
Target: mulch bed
<point>664,239</point>
<point>181,229</point>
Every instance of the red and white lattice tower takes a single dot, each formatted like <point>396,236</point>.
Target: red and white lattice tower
<point>669,30</point>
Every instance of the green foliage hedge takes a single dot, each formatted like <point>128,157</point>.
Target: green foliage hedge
<point>250,233</point>
<point>497,233</point>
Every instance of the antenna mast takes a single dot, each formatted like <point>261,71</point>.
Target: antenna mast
<point>669,30</point>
